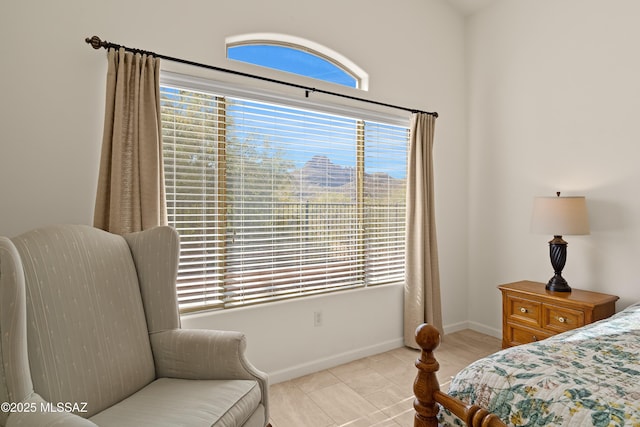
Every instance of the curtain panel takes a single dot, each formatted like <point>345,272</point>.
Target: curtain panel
<point>422,283</point>
<point>130,195</point>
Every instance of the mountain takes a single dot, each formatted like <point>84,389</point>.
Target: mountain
<point>321,171</point>
<point>320,176</point>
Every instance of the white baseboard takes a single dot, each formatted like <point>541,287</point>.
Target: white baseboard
<point>332,361</point>
<point>484,329</point>
<point>474,326</point>
<point>455,327</point>
<point>328,362</point>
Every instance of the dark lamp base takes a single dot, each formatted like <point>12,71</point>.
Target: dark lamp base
<point>558,284</point>
<point>558,255</point>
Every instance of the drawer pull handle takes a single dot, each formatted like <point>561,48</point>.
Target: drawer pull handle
<point>561,319</point>
<point>535,338</point>
<point>523,310</point>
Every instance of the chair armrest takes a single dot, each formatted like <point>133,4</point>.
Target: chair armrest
<point>202,354</point>
<point>44,419</point>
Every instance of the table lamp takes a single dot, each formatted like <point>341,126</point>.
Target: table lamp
<point>559,216</point>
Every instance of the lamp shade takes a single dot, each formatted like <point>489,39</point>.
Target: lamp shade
<point>560,216</point>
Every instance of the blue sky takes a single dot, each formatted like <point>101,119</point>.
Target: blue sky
<point>291,60</point>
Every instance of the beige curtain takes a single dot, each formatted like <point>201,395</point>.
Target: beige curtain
<point>422,286</point>
<point>130,194</point>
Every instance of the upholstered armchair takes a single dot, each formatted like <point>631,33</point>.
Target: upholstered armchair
<point>90,335</point>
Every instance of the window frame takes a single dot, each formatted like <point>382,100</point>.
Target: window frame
<point>187,82</point>
<point>298,43</point>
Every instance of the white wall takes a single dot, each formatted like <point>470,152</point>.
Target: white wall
<point>554,98</point>
<point>52,107</point>
<point>550,89</point>
<point>282,338</point>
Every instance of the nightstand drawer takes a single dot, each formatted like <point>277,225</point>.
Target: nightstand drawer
<point>519,335</point>
<point>562,319</point>
<point>523,310</point>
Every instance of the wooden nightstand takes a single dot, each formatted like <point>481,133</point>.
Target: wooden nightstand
<point>531,313</point>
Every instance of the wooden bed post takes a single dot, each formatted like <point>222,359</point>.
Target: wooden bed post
<point>426,383</point>
<point>427,389</point>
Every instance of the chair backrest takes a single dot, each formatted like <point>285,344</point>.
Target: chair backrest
<point>87,337</point>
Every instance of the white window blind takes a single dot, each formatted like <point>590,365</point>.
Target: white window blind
<point>274,202</point>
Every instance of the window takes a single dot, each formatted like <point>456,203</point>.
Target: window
<point>292,60</point>
<point>298,56</point>
<point>274,201</point>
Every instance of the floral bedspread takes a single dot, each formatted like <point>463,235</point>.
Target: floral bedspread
<point>585,377</point>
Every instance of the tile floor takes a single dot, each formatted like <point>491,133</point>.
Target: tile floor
<point>374,391</point>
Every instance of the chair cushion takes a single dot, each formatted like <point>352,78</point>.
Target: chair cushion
<point>177,402</point>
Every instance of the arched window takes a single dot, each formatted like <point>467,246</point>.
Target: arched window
<point>298,56</point>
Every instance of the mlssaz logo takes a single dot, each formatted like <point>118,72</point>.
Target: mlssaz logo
<point>75,407</point>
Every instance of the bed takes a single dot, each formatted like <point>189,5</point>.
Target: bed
<point>585,377</point>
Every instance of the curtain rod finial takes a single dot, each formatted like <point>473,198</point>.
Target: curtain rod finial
<point>95,42</point>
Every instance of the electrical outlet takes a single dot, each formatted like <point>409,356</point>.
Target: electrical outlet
<point>317,318</point>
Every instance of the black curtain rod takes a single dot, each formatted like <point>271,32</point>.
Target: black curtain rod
<point>96,43</point>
